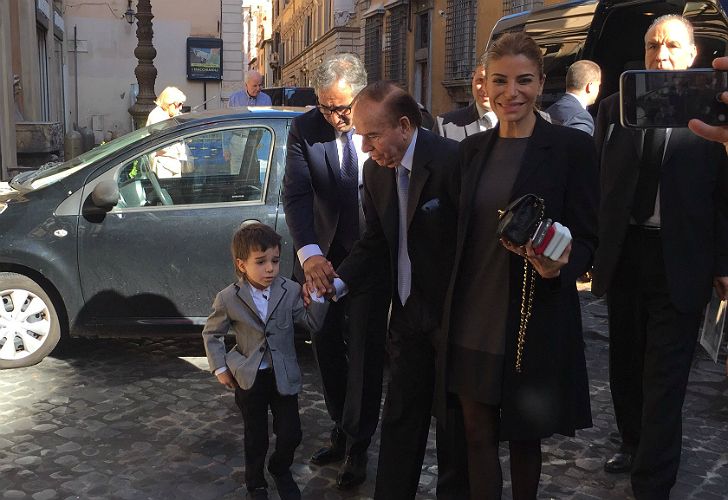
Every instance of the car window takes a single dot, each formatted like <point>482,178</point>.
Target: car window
<point>222,166</point>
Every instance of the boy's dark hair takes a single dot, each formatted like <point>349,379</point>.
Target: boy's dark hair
<point>250,237</point>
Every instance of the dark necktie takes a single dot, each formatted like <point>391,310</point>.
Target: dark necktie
<point>646,193</point>
<point>349,165</point>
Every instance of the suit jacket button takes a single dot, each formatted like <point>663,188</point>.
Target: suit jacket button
<point>262,349</point>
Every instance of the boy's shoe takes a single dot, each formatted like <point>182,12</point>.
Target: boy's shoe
<point>286,485</point>
<point>258,494</point>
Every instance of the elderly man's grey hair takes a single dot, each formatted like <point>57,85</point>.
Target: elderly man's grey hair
<point>252,74</point>
<point>674,17</point>
<point>343,66</point>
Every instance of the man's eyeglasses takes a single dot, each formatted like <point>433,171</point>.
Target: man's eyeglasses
<point>339,110</point>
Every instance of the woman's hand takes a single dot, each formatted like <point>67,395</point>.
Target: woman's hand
<point>545,267</point>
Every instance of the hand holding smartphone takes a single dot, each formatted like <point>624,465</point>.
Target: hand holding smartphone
<point>670,99</point>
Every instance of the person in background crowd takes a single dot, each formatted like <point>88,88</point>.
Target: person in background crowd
<point>169,104</point>
<point>261,309</point>
<point>324,216</point>
<point>250,94</point>
<point>410,193</point>
<point>663,242</point>
<point>583,79</point>
<point>474,118</point>
<point>174,160</point>
<point>511,350</point>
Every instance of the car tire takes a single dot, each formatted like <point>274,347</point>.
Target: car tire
<point>29,325</point>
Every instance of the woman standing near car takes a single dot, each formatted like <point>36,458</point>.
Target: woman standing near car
<point>517,391</point>
<point>169,104</point>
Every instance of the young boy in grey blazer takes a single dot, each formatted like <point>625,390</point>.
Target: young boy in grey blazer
<point>261,309</point>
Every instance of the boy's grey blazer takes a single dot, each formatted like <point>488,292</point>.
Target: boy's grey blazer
<point>234,310</point>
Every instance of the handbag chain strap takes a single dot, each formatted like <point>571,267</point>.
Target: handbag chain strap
<point>529,285</point>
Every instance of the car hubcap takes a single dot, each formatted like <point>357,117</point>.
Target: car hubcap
<point>24,324</point>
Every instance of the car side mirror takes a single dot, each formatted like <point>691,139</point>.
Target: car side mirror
<point>104,197</point>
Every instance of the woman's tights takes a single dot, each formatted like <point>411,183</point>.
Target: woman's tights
<point>486,480</point>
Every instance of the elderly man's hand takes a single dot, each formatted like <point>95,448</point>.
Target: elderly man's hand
<point>710,132</point>
<point>319,273</point>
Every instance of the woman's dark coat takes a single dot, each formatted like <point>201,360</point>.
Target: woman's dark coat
<point>551,395</point>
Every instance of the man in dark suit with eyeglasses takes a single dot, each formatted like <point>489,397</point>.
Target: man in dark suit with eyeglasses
<point>324,216</point>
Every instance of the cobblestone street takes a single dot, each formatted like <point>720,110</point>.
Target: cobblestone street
<point>142,419</point>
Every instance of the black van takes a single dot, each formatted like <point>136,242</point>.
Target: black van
<point>611,33</point>
<point>291,96</point>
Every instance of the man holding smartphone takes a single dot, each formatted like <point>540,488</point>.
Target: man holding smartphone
<point>663,242</point>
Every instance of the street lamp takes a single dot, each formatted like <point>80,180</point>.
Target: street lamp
<point>129,14</point>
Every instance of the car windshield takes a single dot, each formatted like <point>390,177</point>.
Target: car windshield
<point>54,172</point>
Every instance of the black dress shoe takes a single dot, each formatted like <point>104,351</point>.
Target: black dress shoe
<point>258,494</point>
<point>353,472</point>
<point>619,463</point>
<point>287,487</point>
<point>328,454</point>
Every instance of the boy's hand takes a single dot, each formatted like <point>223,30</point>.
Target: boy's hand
<point>226,378</point>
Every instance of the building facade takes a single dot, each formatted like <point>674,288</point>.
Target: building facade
<point>32,82</point>
<point>429,46</point>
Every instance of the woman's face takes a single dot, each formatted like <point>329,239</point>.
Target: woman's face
<point>174,108</point>
<point>513,85</point>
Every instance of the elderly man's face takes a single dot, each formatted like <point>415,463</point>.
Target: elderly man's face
<point>385,142</point>
<point>478,88</point>
<point>668,46</point>
<point>253,84</point>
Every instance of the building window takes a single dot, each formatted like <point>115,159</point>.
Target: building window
<point>460,38</point>
<point>515,6</point>
<point>327,15</point>
<point>307,39</point>
<point>43,77</point>
<point>395,50</point>
<point>373,47</point>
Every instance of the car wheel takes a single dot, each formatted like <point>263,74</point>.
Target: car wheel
<point>29,325</point>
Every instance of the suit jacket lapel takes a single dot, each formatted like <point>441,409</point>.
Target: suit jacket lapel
<point>420,174</point>
<point>247,298</point>
<point>677,136</point>
<point>332,158</point>
<point>470,179</point>
<point>535,154</point>
<point>277,291</point>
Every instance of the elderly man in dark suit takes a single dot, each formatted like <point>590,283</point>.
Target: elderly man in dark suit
<point>583,79</point>
<point>410,195</point>
<point>663,242</point>
<point>476,117</point>
<point>321,200</point>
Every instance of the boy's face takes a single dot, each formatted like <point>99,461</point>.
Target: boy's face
<point>261,267</point>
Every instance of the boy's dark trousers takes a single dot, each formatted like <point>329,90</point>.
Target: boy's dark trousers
<point>254,404</point>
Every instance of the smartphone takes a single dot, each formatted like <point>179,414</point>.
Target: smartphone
<point>669,99</point>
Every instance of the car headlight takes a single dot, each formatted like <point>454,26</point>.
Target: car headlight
<point>3,206</point>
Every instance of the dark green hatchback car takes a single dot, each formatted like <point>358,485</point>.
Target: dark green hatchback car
<point>113,241</point>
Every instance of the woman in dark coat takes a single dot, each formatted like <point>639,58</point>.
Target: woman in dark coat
<point>478,349</point>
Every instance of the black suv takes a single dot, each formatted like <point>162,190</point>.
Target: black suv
<point>610,33</point>
<point>292,96</point>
